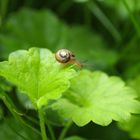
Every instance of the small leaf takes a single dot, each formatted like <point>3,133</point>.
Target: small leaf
<point>37,74</point>
<point>94,96</point>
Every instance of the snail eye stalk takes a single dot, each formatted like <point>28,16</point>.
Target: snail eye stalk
<point>66,57</point>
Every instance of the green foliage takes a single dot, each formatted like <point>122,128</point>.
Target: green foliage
<point>36,90</point>
<point>120,7</point>
<point>6,86</point>
<point>101,99</point>
<point>3,10</point>
<point>37,74</point>
<point>97,52</point>
<point>12,129</point>
<point>13,110</point>
<point>132,126</point>
<point>130,63</point>
<point>135,84</point>
<point>29,28</point>
<point>57,119</point>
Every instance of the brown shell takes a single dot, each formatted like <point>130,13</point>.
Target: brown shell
<point>66,56</point>
<point>63,56</point>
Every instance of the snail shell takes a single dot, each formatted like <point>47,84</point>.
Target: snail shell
<point>64,56</point>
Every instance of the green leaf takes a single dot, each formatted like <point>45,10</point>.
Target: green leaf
<point>13,130</point>
<point>37,74</point>
<point>94,96</point>
<point>133,125</point>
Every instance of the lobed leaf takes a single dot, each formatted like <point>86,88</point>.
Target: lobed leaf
<point>37,74</point>
<point>94,96</point>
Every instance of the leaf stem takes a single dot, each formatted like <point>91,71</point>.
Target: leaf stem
<point>51,131</point>
<point>65,130</point>
<point>42,124</point>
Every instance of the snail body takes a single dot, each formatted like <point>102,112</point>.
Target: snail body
<point>66,57</point>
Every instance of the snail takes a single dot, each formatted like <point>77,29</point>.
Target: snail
<point>65,56</point>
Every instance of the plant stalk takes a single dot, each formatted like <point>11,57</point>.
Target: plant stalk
<point>42,124</point>
<point>51,131</point>
<point>64,131</point>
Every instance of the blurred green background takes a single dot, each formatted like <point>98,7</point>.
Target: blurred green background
<point>103,34</point>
